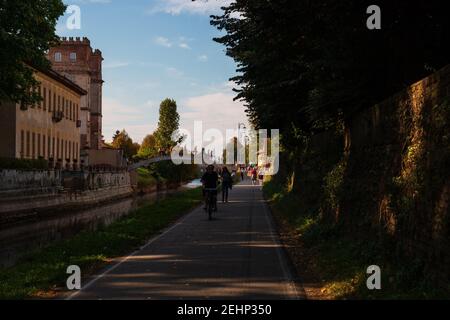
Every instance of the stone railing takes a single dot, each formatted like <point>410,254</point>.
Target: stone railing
<point>18,182</point>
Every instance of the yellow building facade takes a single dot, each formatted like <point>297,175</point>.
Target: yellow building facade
<point>48,130</point>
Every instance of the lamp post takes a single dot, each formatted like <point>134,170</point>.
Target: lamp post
<point>241,124</point>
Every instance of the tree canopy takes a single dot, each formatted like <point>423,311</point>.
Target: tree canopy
<point>148,147</point>
<point>304,65</point>
<point>27,31</point>
<point>121,140</point>
<point>168,124</point>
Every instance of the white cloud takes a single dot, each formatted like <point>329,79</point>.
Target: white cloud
<point>136,120</point>
<point>203,58</point>
<point>176,7</point>
<point>184,46</point>
<point>216,111</point>
<point>164,42</point>
<point>215,108</point>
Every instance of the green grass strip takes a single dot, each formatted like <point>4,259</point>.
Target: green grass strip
<point>44,269</point>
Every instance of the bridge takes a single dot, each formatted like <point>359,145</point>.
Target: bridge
<point>147,162</point>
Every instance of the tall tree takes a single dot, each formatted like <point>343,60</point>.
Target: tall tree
<point>168,124</point>
<point>27,31</point>
<point>305,65</point>
<point>148,147</point>
<point>121,140</point>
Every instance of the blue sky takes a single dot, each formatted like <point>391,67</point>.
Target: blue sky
<point>155,49</point>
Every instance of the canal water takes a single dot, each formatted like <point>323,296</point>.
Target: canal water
<point>21,238</point>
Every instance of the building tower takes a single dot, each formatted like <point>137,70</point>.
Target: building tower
<point>75,59</point>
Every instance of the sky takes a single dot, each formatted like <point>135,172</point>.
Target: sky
<point>157,49</point>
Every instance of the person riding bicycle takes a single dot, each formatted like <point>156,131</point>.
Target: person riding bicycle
<point>254,174</point>
<point>210,180</point>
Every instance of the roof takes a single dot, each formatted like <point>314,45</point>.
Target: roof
<point>61,79</point>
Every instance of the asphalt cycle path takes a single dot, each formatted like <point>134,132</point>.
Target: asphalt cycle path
<point>237,255</point>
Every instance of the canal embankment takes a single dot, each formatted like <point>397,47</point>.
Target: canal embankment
<point>42,272</point>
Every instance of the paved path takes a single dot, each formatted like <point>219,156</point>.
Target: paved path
<point>235,256</point>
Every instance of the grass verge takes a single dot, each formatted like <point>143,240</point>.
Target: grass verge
<point>333,265</point>
<point>145,178</point>
<point>39,273</point>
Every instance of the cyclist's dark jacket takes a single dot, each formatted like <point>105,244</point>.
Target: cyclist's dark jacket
<point>210,179</point>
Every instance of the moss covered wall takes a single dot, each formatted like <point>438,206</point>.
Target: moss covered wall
<point>386,177</point>
<point>397,176</point>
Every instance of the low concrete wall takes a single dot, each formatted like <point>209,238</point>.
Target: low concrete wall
<point>12,210</point>
<point>24,193</point>
<point>18,180</point>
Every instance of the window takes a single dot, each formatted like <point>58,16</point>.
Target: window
<point>57,149</point>
<point>28,144</point>
<point>39,145</point>
<point>49,150</point>
<point>40,94</point>
<point>45,98</point>
<point>49,100</point>
<point>58,57</point>
<point>43,146</point>
<point>33,145</point>
<point>73,56</point>
<point>22,144</point>
<point>53,148</point>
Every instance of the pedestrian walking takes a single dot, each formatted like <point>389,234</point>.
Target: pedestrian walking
<point>227,183</point>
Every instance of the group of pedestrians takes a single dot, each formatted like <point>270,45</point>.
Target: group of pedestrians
<point>212,178</point>
<point>252,172</point>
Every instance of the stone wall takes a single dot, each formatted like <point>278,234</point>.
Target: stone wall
<point>387,178</point>
<point>20,182</point>
<point>24,193</point>
<point>397,170</point>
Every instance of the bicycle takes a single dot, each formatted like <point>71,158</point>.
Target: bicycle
<point>211,201</point>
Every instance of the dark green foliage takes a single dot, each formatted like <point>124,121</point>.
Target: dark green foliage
<point>303,65</point>
<point>172,173</point>
<point>121,140</point>
<point>27,31</point>
<point>168,124</point>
